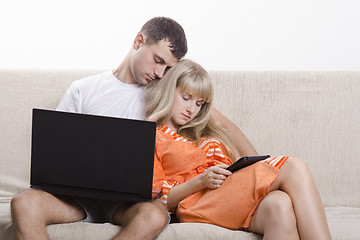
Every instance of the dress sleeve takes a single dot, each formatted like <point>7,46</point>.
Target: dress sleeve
<point>215,151</point>
<point>161,185</point>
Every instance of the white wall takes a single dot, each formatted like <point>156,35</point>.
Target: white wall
<point>222,34</point>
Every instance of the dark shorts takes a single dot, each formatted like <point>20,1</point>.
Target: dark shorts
<point>98,210</point>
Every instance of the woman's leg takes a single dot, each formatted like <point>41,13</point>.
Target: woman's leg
<point>275,217</point>
<point>296,180</point>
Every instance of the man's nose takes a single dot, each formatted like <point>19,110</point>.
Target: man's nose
<point>159,71</point>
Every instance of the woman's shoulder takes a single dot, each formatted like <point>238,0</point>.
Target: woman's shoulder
<point>161,136</point>
<point>166,133</point>
<point>212,144</point>
<point>209,141</point>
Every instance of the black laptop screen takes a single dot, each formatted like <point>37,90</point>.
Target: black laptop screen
<point>96,155</point>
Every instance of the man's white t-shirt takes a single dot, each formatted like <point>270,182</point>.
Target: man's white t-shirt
<point>104,95</point>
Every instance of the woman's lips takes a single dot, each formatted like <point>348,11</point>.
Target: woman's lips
<point>186,116</point>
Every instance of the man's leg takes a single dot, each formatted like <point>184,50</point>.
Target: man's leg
<point>33,209</point>
<point>143,220</point>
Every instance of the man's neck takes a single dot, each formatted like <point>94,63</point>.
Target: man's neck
<point>123,73</point>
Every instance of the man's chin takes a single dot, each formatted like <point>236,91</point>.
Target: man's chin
<point>142,81</point>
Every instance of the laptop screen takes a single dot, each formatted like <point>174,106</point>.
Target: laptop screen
<point>92,156</point>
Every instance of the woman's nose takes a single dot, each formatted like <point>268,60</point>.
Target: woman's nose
<point>190,108</point>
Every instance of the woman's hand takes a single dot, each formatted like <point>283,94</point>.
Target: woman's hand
<point>214,176</point>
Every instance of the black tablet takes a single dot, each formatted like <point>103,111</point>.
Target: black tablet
<point>246,161</point>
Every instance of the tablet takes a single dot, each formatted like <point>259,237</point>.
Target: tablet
<point>246,161</point>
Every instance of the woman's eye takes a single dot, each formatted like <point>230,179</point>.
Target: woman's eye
<point>199,104</point>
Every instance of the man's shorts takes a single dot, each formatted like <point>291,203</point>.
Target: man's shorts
<point>98,210</point>
<point>102,211</point>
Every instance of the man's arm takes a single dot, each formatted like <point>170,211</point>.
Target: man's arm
<point>71,101</point>
<point>237,137</point>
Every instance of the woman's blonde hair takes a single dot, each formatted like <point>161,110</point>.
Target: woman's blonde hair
<point>192,78</point>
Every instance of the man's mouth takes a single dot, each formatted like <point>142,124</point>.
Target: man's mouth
<point>149,78</point>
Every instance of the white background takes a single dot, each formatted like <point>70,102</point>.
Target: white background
<point>222,34</point>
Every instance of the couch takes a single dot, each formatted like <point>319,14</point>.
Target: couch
<point>311,115</point>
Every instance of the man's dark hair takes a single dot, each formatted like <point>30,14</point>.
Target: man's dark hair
<point>163,28</point>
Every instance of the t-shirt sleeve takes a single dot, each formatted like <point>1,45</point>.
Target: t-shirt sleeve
<point>71,101</point>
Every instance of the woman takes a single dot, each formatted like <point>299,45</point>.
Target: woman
<point>191,157</point>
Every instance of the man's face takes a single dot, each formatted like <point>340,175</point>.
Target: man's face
<point>149,61</point>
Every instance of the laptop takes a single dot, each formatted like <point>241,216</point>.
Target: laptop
<point>92,156</point>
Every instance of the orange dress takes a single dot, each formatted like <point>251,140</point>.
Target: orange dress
<point>233,204</point>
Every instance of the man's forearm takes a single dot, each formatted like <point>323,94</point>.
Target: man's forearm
<point>237,137</point>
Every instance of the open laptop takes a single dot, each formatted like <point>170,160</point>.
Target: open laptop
<point>92,156</point>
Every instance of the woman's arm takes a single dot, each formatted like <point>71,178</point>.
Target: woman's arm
<point>238,138</point>
<point>181,191</point>
<point>213,177</point>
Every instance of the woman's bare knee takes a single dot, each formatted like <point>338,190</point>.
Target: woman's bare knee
<point>282,212</point>
<point>297,164</point>
<point>275,214</point>
<point>295,173</point>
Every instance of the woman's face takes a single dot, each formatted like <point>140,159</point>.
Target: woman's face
<point>186,107</point>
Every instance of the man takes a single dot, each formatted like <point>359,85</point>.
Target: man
<point>160,44</point>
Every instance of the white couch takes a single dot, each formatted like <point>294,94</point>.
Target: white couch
<point>311,115</point>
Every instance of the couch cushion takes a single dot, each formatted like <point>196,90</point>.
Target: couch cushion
<point>5,218</point>
<point>174,231</point>
<point>343,222</point>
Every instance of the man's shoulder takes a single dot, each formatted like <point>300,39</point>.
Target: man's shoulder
<point>90,80</point>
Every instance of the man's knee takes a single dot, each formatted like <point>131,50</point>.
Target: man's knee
<point>23,202</point>
<point>154,213</point>
<point>28,203</point>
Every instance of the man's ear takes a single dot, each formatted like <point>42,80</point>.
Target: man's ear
<point>139,41</point>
